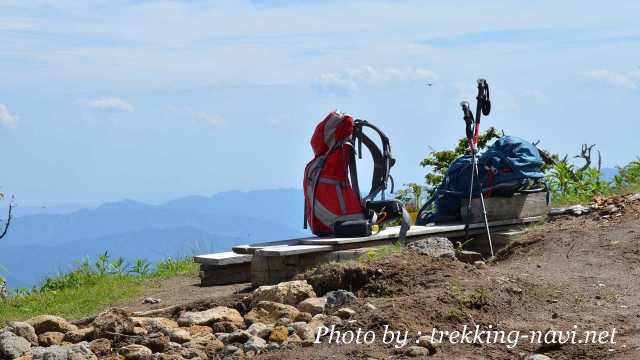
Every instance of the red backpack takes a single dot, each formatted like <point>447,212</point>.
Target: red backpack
<point>333,205</point>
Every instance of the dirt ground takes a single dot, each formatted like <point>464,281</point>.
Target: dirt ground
<point>581,271</point>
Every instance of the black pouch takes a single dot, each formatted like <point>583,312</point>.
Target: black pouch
<point>352,228</point>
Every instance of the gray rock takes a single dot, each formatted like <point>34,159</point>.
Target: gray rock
<point>24,330</point>
<point>434,247</point>
<point>340,297</point>
<point>272,346</point>
<point>12,345</point>
<point>76,351</point>
<point>254,344</point>
<point>134,351</point>
<point>313,305</point>
<point>415,351</point>
<point>576,210</point>
<point>260,330</point>
<point>237,337</point>
<point>467,256</point>
<point>634,197</point>
<point>538,357</point>
<point>301,328</point>
<point>230,350</point>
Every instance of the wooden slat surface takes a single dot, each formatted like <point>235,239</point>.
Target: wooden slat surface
<point>224,258</point>
<point>286,250</point>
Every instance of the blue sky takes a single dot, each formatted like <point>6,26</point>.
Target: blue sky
<point>151,100</point>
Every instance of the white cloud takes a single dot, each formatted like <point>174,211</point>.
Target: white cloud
<point>614,78</point>
<point>351,79</point>
<point>109,103</point>
<point>6,118</point>
<point>212,119</point>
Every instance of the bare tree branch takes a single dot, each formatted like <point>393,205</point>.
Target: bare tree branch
<point>8,222</point>
<point>585,153</point>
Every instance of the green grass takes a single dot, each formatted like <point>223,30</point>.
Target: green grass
<point>384,250</point>
<point>90,288</point>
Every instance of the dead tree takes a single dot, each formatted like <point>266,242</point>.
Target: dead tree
<point>585,153</point>
<point>9,216</point>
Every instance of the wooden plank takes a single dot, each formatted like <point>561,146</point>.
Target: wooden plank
<point>251,248</point>
<point>502,208</point>
<point>223,258</point>
<point>286,250</point>
<point>221,275</point>
<point>392,232</point>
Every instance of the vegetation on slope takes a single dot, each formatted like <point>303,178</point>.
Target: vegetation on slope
<point>91,287</point>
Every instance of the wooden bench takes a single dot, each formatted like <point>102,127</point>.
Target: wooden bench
<point>272,262</point>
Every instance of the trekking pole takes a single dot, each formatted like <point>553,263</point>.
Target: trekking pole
<point>483,107</point>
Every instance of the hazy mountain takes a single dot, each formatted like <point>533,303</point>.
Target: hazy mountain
<point>43,244</point>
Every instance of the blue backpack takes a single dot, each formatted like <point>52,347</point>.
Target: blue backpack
<point>509,165</point>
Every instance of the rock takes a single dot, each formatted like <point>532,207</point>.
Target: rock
<point>634,197</point>
<point>214,346</point>
<point>290,293</point>
<point>279,334</point>
<point>135,352</point>
<point>340,297</point>
<point>199,329</point>
<point>154,324</point>
<point>200,340</point>
<point>576,210</point>
<point>370,306</point>
<point>76,336</point>
<point>480,264</point>
<point>301,328</point>
<point>434,247</point>
<point>538,357</point>
<point>237,337</point>
<point>79,351</point>
<point>193,353</point>
<point>467,256</point>
<point>268,312</point>
<point>294,338</point>
<point>255,344</point>
<point>50,338</point>
<point>100,347</point>
<point>415,351</point>
<point>259,329</point>
<point>313,305</point>
<point>156,342</point>
<point>345,313</point>
<point>284,321</point>
<point>24,330</point>
<point>313,328</point>
<point>272,346</point>
<point>224,326</point>
<point>218,313</point>
<point>46,323</point>
<point>150,300</point>
<point>425,342</point>
<point>139,331</point>
<point>179,335</point>
<point>112,321</point>
<point>230,350</point>
<point>304,316</point>
<point>12,345</point>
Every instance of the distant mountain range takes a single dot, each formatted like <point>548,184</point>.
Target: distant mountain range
<point>44,244</point>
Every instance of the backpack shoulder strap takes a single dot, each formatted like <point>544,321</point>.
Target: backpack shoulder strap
<point>382,159</point>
